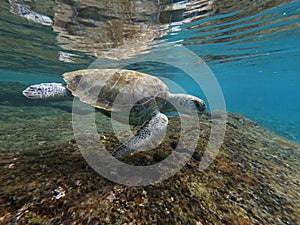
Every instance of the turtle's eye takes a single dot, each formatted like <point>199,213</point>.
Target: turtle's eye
<point>199,105</point>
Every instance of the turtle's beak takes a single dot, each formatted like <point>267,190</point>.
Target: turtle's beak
<point>31,92</point>
<point>27,93</point>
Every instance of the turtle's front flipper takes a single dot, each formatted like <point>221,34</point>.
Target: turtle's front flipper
<point>150,132</point>
<point>46,90</point>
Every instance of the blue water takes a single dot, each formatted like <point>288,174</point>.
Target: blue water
<point>254,56</point>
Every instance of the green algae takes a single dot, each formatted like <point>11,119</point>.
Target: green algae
<point>253,180</point>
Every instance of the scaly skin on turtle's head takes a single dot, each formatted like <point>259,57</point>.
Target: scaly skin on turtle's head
<point>187,104</point>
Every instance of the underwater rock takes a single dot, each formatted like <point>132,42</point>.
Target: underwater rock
<point>254,179</point>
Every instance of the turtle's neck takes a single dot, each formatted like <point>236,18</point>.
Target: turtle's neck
<point>174,103</point>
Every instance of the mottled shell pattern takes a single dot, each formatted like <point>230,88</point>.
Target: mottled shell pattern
<point>119,91</point>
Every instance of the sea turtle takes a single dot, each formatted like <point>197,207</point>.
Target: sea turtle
<point>115,93</point>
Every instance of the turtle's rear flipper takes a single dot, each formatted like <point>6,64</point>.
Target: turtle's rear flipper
<point>151,131</point>
<point>45,90</point>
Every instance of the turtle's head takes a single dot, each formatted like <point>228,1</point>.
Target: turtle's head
<point>187,104</point>
<point>45,90</point>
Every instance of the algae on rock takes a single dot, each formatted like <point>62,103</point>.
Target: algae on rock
<point>253,180</point>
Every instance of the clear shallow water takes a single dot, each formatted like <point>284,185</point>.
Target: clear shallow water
<point>252,47</point>
<point>253,50</point>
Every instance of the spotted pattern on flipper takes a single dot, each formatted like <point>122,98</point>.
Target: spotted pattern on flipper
<point>150,132</point>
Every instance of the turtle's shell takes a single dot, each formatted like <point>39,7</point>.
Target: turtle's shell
<point>120,91</point>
